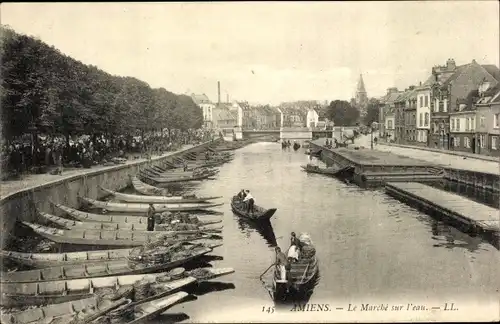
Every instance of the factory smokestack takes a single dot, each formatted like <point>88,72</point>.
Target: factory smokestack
<point>218,92</point>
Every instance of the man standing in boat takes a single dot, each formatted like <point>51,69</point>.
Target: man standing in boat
<point>250,201</point>
<point>293,251</point>
<point>282,264</point>
<point>151,219</point>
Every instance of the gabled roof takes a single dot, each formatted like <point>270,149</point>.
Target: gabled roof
<point>222,112</point>
<point>200,98</point>
<point>492,70</point>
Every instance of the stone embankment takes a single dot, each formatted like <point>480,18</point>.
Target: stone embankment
<point>19,199</point>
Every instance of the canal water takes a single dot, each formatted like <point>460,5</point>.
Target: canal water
<point>370,246</point>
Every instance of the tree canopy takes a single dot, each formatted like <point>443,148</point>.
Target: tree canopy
<point>342,113</point>
<point>47,91</point>
<point>372,112</point>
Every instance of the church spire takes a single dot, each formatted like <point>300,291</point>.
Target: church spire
<point>361,85</point>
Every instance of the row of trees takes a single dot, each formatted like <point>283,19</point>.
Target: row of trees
<point>45,91</point>
<point>342,113</point>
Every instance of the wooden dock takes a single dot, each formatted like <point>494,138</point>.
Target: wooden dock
<point>447,204</point>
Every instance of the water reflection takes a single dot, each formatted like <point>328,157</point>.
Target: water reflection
<point>265,229</point>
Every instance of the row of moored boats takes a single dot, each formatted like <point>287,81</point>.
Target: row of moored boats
<point>146,238</point>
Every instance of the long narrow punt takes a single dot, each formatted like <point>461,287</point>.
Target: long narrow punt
<point>177,228</point>
<point>182,179</point>
<point>157,199</point>
<point>147,189</point>
<point>54,292</point>
<point>104,269</point>
<point>46,260</point>
<point>259,214</point>
<point>147,311</point>
<point>47,314</point>
<point>89,217</point>
<point>138,208</point>
<point>113,238</point>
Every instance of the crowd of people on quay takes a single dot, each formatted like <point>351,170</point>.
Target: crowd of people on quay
<point>52,153</point>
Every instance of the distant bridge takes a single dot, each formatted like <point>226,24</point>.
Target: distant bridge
<point>296,133</point>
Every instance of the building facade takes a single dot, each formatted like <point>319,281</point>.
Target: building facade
<point>206,106</point>
<point>450,85</point>
<point>386,113</point>
<point>488,122</point>
<point>423,114</point>
<point>312,118</point>
<point>410,119</point>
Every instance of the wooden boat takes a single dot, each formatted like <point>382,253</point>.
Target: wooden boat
<point>92,306</point>
<point>259,214</point>
<point>53,292</point>
<point>112,238</point>
<point>157,199</point>
<point>181,178</point>
<point>137,220</point>
<point>143,208</point>
<point>46,260</point>
<point>147,311</point>
<point>172,228</point>
<point>317,169</point>
<point>146,189</point>
<point>309,168</point>
<point>108,268</point>
<point>299,278</point>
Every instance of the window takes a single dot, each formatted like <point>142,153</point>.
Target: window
<point>458,124</point>
<point>467,142</point>
<point>482,140</point>
<point>426,104</point>
<point>389,124</point>
<point>420,118</point>
<point>467,124</point>
<point>445,105</point>
<point>426,119</point>
<point>421,101</point>
<point>452,124</point>
<point>496,121</point>
<point>472,123</point>
<point>436,128</point>
<point>481,121</point>
<point>458,141</point>
<point>436,105</point>
<point>494,142</point>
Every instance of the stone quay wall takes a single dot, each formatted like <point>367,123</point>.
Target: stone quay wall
<point>22,204</point>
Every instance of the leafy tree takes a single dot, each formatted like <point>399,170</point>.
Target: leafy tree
<point>43,90</point>
<point>342,113</point>
<point>372,112</point>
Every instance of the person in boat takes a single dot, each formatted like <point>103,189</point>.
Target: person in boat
<point>282,264</point>
<point>294,250</point>
<point>242,194</point>
<point>151,219</point>
<point>250,201</point>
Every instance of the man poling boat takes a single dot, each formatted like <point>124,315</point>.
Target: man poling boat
<point>294,272</point>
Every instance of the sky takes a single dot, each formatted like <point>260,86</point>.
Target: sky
<point>267,52</point>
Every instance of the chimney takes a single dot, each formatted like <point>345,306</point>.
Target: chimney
<point>227,97</point>
<point>218,92</point>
